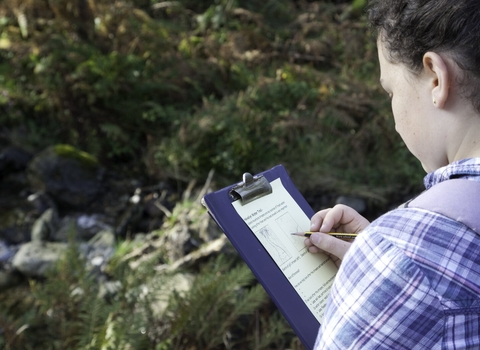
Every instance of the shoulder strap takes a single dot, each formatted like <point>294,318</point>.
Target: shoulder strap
<point>457,199</point>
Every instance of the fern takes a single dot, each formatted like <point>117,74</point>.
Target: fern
<point>225,307</point>
<point>215,312</point>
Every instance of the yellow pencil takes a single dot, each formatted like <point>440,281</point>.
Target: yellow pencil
<point>333,234</point>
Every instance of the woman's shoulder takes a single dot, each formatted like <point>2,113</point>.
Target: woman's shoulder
<point>408,228</point>
<point>426,237</point>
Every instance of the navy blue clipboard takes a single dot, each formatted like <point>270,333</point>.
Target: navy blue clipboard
<point>267,272</point>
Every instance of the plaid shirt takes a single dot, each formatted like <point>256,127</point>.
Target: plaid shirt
<point>411,280</point>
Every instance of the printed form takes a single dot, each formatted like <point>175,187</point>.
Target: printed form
<point>273,219</point>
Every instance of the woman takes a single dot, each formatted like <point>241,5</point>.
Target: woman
<point>411,279</point>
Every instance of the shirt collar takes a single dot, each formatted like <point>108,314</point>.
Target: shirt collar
<point>466,168</point>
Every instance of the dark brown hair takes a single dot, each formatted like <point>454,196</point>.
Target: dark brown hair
<point>410,28</point>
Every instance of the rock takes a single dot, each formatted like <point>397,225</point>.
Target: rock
<point>15,225</point>
<point>13,159</point>
<point>67,230</point>
<point>6,253</point>
<point>8,277</point>
<point>34,259</point>
<point>179,283</point>
<point>98,251</point>
<point>49,227</point>
<point>40,202</point>
<point>73,178</point>
<point>103,240</point>
<point>45,226</point>
<point>90,225</point>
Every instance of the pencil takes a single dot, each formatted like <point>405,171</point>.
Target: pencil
<point>333,234</point>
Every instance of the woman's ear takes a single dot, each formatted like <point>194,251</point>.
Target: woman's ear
<point>437,72</point>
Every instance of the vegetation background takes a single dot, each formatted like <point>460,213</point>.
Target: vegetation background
<point>169,90</point>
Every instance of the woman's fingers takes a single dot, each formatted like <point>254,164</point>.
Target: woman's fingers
<point>321,242</point>
<point>340,217</point>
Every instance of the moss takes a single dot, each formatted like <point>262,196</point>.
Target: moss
<point>69,151</point>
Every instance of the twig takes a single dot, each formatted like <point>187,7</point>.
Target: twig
<point>203,251</point>
<point>206,186</point>
<point>164,4</point>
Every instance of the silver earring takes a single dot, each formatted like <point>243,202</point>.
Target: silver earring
<point>434,101</point>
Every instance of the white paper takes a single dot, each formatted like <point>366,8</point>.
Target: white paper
<point>272,219</point>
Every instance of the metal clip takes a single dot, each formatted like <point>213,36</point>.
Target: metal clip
<point>251,188</point>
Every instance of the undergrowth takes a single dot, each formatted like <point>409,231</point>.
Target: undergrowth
<point>137,309</point>
<point>176,89</point>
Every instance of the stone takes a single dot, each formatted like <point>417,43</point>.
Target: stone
<point>179,283</point>
<point>103,239</point>
<point>71,177</point>
<point>34,259</point>
<point>45,227</point>
<point>13,159</point>
<point>15,225</point>
<point>67,230</point>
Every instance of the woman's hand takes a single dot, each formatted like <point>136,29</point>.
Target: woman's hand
<point>340,218</point>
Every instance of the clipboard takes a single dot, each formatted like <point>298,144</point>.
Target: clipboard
<point>268,273</point>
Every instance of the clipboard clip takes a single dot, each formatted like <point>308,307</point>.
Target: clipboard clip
<point>251,188</point>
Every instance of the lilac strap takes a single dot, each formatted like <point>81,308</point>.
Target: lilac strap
<point>457,199</point>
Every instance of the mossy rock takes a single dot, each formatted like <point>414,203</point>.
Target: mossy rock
<point>71,177</point>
